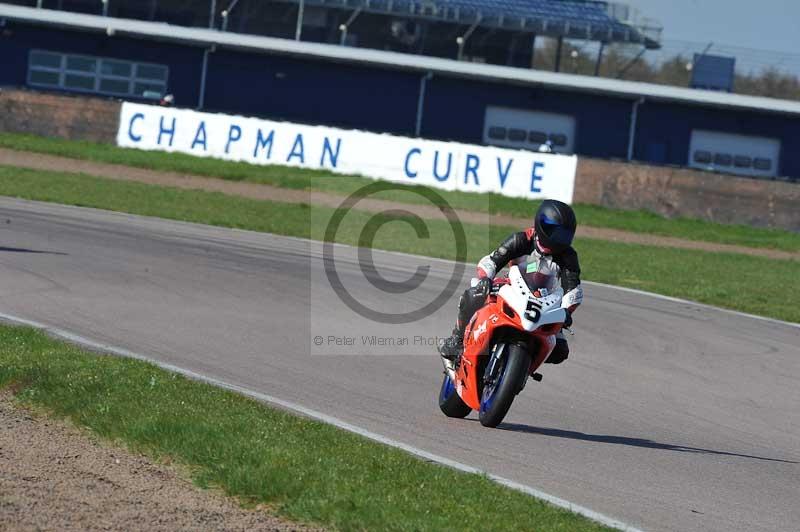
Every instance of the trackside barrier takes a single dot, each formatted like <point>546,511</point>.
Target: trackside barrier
<point>444,165</point>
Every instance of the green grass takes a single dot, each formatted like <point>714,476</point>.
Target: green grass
<point>749,284</point>
<point>306,470</point>
<point>302,179</point>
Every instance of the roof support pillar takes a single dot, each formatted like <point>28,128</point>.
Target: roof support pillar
<point>462,40</point>
<point>201,98</point>
<point>631,63</point>
<point>599,58</point>
<point>151,16</point>
<point>632,132</point>
<point>346,26</point>
<point>557,68</point>
<point>423,85</point>
<point>300,14</point>
<point>227,13</point>
<point>212,14</point>
<point>512,47</point>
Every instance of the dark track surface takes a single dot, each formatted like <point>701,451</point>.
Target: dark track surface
<point>668,416</point>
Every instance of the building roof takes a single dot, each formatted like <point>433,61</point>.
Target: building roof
<point>569,82</point>
<point>578,19</point>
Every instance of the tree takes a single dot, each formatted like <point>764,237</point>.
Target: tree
<point>620,61</point>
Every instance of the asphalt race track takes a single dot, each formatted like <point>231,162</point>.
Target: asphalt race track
<point>667,416</point>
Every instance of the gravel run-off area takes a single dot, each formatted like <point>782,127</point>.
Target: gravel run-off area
<point>54,476</point>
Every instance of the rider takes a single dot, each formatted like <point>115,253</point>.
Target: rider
<point>549,243</point>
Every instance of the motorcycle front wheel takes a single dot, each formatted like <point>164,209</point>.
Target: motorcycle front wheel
<point>449,401</point>
<point>499,389</point>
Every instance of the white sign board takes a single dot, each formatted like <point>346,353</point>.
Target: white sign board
<point>445,165</point>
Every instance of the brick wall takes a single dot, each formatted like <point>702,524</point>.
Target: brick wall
<point>55,115</point>
<point>692,193</point>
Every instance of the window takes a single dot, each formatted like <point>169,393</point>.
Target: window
<point>742,161</point>
<point>497,133</point>
<point>762,164</point>
<point>45,60</point>
<point>99,75</point>
<point>81,64</point>
<point>115,86</point>
<point>517,135</point>
<point>44,77</point>
<point>116,68</point>
<point>537,137</point>
<point>78,82</point>
<point>723,159</point>
<point>703,157</point>
<point>558,139</point>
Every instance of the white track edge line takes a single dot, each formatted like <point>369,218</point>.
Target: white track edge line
<point>402,254</point>
<point>589,283</point>
<point>694,304</point>
<point>319,416</point>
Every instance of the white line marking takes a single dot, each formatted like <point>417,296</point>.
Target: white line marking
<point>693,303</point>
<point>57,206</point>
<point>556,501</point>
<point>590,283</point>
<point>319,416</point>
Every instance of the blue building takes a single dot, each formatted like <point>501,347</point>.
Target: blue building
<point>398,93</point>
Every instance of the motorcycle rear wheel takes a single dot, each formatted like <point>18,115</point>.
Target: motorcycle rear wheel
<point>450,403</point>
<point>496,398</point>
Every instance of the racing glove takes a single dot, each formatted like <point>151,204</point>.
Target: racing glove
<point>481,286</point>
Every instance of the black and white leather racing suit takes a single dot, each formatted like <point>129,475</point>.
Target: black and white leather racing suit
<point>517,247</point>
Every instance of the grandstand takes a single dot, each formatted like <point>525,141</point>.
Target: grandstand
<point>502,32</point>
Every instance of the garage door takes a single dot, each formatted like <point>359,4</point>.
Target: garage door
<point>524,129</point>
<point>735,154</point>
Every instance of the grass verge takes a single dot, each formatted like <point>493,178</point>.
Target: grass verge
<point>303,179</point>
<point>750,284</point>
<point>308,471</point>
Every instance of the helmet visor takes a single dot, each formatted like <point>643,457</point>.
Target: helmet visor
<point>555,234</point>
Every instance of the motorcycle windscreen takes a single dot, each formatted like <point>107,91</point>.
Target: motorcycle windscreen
<point>540,274</point>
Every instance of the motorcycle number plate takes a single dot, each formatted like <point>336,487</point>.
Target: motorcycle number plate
<point>533,311</point>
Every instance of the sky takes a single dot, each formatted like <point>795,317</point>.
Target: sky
<point>760,24</point>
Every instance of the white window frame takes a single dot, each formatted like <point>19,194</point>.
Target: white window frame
<point>97,75</point>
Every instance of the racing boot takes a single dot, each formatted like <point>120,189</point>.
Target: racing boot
<point>453,347</point>
<point>560,352</point>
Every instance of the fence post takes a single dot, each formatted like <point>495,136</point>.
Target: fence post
<point>300,12</point>
<point>201,100</point>
<point>212,15</point>
<point>423,85</point>
<point>632,132</point>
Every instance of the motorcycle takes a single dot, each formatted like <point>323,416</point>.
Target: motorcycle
<point>505,342</point>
